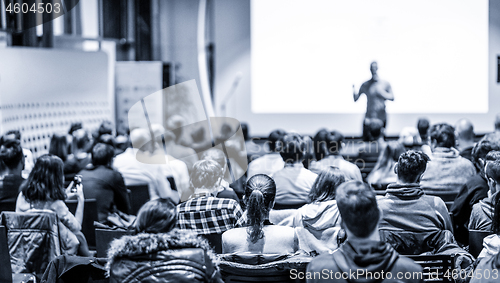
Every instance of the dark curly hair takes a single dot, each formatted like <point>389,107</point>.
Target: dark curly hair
<point>156,216</point>
<point>411,164</point>
<point>443,134</point>
<point>11,153</point>
<point>260,192</point>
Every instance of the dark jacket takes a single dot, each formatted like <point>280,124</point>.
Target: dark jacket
<point>108,188</point>
<point>481,216</point>
<point>9,188</point>
<point>370,256</point>
<point>471,193</point>
<point>177,256</point>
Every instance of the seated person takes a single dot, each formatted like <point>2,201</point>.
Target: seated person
<point>261,236</point>
<point>11,154</point>
<point>482,212</point>
<point>159,252</point>
<point>140,166</point>
<point>327,147</point>
<point>465,138</point>
<point>318,221</point>
<point>29,161</point>
<point>203,212</point>
<point>218,156</point>
<point>383,172</point>
<point>474,190</point>
<point>363,249</point>
<point>293,182</point>
<point>101,182</point>
<point>490,265</point>
<point>271,162</point>
<point>376,138</point>
<point>491,243</point>
<point>447,170</point>
<point>43,190</point>
<point>405,207</point>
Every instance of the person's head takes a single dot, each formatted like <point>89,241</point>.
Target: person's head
<point>464,131</point>
<point>323,189</point>
<point>102,154</point>
<point>410,137</point>
<point>206,174</point>
<point>15,134</point>
<point>260,192</point>
<point>46,180</point>
<point>139,138</point>
<point>411,166</point>
<point>497,123</point>
<point>358,208</point>
<point>11,154</point>
<point>293,148</point>
<point>442,135</point>
<point>374,68</point>
<point>216,155</point>
<point>121,143</point>
<point>327,143</point>
<point>106,127</point>
<point>81,139</point>
<point>376,128</point>
<point>488,143</point>
<point>107,139</point>
<point>74,127</point>
<point>156,216</point>
<point>274,138</point>
<point>59,146</point>
<point>423,125</point>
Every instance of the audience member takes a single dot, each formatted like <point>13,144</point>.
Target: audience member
<point>43,190</point>
<point>383,172</point>
<point>101,182</point>
<point>271,162</point>
<point>376,138</point>
<point>159,252</point>
<point>405,207</point>
<point>174,144</point>
<point>203,212</point>
<point>80,157</point>
<point>318,221</point>
<point>491,243</point>
<point>254,150</point>
<point>363,249</point>
<point>293,182</point>
<point>423,125</point>
<point>139,166</point>
<point>11,154</point>
<point>482,212</point>
<point>497,123</point>
<point>29,161</point>
<point>490,266</point>
<point>59,146</point>
<point>474,190</point>
<point>327,147</point>
<point>261,236</point>
<point>218,156</point>
<point>465,138</point>
<point>447,170</point>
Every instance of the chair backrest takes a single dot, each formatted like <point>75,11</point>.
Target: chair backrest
<point>32,238</point>
<point>104,237</point>
<point>8,206</point>
<point>366,163</point>
<point>476,238</point>
<point>436,267</point>
<point>215,241</point>
<point>89,216</point>
<point>138,195</point>
<point>5,269</point>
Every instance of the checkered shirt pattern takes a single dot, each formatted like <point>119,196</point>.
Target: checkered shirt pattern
<point>208,215</point>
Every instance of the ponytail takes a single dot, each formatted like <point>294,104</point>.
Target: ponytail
<point>256,215</point>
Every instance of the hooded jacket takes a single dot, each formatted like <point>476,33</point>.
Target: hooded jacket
<point>491,246</point>
<point>489,266</point>
<point>177,256</point>
<point>317,225</point>
<point>481,216</point>
<point>352,259</point>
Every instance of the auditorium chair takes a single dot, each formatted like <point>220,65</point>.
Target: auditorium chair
<point>8,206</point>
<point>436,268</point>
<point>6,275</point>
<point>476,238</point>
<point>104,237</point>
<point>89,216</point>
<point>138,195</point>
<point>366,163</point>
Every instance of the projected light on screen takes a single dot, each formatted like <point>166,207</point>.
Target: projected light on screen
<point>306,55</point>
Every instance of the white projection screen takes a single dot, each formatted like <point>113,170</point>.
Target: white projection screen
<point>306,55</point>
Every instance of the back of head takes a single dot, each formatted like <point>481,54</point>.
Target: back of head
<point>492,168</point>
<point>323,188</point>
<point>465,130</point>
<point>156,216</point>
<point>106,127</point>
<point>423,125</point>
<point>81,138</point>
<point>488,143</point>
<point>107,139</point>
<point>215,155</point>
<point>358,207</point>
<point>443,135</point>
<point>260,192</point>
<point>411,165</point>
<point>293,148</point>
<point>74,127</point>
<point>15,133</point>
<point>11,153</point>
<point>102,154</point>
<point>205,174</point>
<point>275,137</point>
<point>46,180</point>
<point>59,146</point>
<point>139,137</point>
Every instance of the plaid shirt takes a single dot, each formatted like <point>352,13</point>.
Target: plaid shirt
<point>208,215</point>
